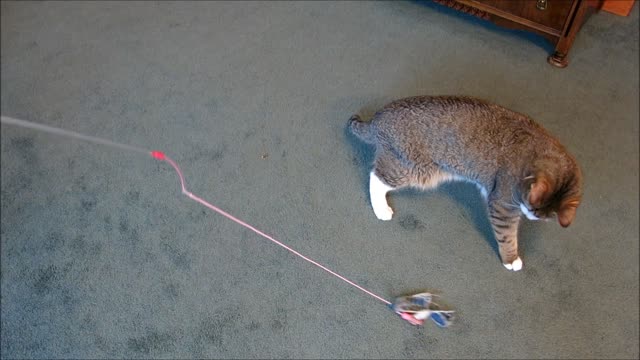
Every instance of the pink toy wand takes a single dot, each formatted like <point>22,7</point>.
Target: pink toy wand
<point>414,309</point>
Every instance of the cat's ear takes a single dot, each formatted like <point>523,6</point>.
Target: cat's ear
<point>567,212</point>
<point>539,191</point>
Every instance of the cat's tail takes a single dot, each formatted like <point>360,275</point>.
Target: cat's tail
<point>363,130</point>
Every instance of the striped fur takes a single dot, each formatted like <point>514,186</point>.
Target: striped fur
<point>519,167</point>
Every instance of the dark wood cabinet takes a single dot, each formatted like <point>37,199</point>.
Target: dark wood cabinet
<point>557,20</point>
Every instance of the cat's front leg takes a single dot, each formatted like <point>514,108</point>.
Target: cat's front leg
<point>505,223</point>
<point>378,192</point>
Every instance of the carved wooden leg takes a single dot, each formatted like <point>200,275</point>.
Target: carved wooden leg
<point>560,57</point>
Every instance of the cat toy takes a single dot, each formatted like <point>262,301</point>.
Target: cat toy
<point>419,307</point>
<point>414,309</point>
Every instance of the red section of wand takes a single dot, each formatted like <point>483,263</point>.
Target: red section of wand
<point>158,155</point>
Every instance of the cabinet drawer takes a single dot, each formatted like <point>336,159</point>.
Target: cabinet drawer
<point>554,15</point>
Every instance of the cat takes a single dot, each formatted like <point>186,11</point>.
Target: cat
<point>519,167</point>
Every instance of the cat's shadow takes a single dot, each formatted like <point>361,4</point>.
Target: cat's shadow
<point>467,195</point>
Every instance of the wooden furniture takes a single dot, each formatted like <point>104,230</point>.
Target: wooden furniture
<point>557,20</point>
<point>618,7</point>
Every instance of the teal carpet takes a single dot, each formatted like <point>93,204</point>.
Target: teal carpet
<point>102,257</point>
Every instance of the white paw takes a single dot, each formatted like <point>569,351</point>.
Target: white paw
<point>383,213</point>
<point>516,265</point>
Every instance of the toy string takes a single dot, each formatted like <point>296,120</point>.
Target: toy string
<point>162,157</point>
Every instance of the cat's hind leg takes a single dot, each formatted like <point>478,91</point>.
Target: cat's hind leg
<point>378,192</point>
<point>388,174</point>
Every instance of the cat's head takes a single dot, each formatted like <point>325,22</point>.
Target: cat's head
<point>553,195</point>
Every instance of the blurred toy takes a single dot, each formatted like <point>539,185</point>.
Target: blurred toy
<point>416,308</point>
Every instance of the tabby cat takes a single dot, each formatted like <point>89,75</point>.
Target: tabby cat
<point>519,167</point>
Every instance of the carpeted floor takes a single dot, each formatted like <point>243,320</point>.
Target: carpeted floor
<point>102,257</point>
